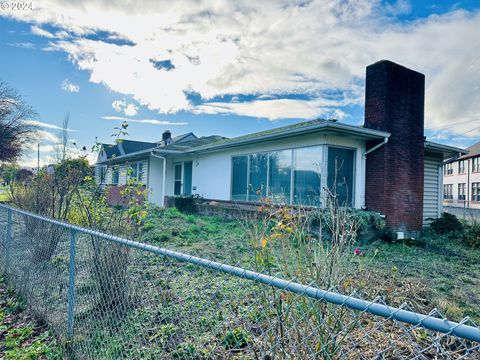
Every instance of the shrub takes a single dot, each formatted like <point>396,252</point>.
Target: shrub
<point>447,224</point>
<point>187,204</point>
<point>472,234</point>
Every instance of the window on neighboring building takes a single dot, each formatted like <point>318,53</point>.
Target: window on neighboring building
<point>115,174</point>
<point>136,171</point>
<point>476,164</point>
<point>448,191</point>
<point>448,169</point>
<point>461,191</point>
<point>476,191</point>
<point>461,167</point>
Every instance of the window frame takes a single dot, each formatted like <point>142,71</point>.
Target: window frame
<point>138,174</point>
<point>115,170</point>
<point>461,169</point>
<point>476,164</point>
<point>475,192</point>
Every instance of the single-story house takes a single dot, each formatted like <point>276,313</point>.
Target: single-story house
<point>386,165</point>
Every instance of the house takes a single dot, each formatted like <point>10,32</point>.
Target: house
<point>386,165</point>
<point>461,180</point>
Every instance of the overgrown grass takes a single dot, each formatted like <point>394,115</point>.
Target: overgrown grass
<point>21,337</point>
<point>431,272</point>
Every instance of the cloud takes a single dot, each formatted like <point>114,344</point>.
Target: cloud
<point>46,125</point>
<point>144,121</point>
<point>23,45</point>
<point>69,86</point>
<point>274,109</point>
<point>45,136</point>
<point>36,30</point>
<point>279,49</point>
<point>126,108</point>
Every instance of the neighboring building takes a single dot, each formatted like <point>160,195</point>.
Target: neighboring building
<point>461,180</point>
<point>385,165</point>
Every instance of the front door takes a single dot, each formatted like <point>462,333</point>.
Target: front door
<point>183,178</point>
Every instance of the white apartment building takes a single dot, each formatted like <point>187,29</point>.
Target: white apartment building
<point>461,180</point>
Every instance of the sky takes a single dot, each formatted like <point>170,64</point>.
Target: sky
<point>231,67</point>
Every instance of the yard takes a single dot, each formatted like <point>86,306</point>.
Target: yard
<point>157,307</point>
<point>431,272</point>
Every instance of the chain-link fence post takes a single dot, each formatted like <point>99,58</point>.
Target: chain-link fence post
<point>8,240</point>
<point>71,284</point>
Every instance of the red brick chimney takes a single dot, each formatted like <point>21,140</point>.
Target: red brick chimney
<point>394,102</point>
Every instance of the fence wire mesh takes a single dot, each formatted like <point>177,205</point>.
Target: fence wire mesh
<point>109,298</point>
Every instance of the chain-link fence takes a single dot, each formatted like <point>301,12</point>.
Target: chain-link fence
<point>112,298</point>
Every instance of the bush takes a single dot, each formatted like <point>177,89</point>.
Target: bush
<point>447,224</point>
<point>187,204</point>
<point>472,234</point>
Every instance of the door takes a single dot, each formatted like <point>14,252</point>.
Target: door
<point>183,179</point>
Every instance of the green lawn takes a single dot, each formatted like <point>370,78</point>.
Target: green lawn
<point>4,197</point>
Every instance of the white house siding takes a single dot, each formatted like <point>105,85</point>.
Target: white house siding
<point>211,175</point>
<point>432,206</point>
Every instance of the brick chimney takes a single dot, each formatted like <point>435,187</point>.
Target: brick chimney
<point>394,102</point>
<point>167,137</point>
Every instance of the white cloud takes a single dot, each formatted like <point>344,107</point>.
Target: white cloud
<point>275,109</point>
<point>67,85</point>
<point>272,48</point>
<point>45,136</point>
<point>144,121</point>
<point>36,30</point>
<point>127,108</point>
<point>23,45</point>
<point>46,125</point>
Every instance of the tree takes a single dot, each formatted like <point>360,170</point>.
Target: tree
<point>14,130</point>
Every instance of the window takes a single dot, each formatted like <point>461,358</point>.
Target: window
<point>115,175</point>
<point>293,176</point>
<point>307,175</point>
<point>476,191</point>
<point>340,174</point>
<point>239,177</point>
<point>177,187</point>
<point>258,176</point>
<point>280,175</point>
<point>448,169</point>
<point>447,191</point>
<point>136,171</point>
<point>461,167</point>
<point>461,191</point>
<point>476,164</point>
<point>101,173</point>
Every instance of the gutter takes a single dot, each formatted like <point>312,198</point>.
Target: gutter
<point>384,142</point>
<point>163,175</point>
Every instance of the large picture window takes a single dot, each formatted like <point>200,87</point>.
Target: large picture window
<point>239,177</point>
<point>294,176</point>
<point>340,174</point>
<point>307,175</point>
<point>280,176</point>
<point>258,176</point>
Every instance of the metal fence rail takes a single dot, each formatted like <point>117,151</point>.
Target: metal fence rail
<point>117,298</point>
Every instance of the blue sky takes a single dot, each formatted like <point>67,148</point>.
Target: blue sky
<point>230,68</point>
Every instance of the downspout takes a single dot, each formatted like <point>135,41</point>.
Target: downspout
<point>163,175</point>
<point>385,140</point>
